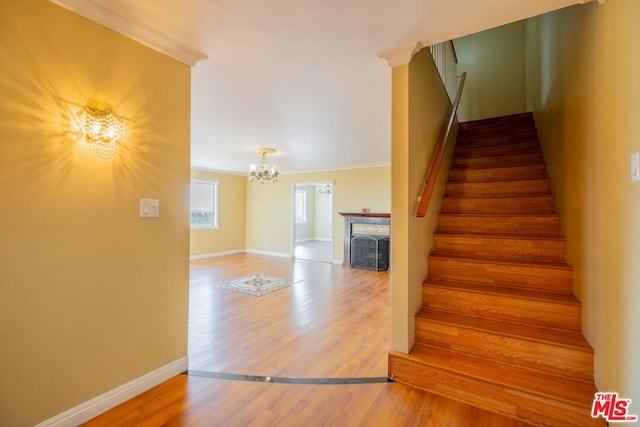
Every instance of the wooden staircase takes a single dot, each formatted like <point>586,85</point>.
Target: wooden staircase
<point>499,326</point>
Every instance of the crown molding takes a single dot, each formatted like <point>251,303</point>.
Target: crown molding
<point>400,55</point>
<point>134,30</point>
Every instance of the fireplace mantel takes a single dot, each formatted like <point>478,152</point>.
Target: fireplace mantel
<point>351,218</point>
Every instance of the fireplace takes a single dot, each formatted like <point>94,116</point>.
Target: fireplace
<point>370,252</point>
<point>367,240</point>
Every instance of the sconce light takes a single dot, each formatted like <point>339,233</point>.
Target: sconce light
<point>103,129</point>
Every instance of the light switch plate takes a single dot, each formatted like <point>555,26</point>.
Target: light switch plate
<point>635,167</point>
<point>149,208</point>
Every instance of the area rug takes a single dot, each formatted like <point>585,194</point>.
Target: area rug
<point>256,284</point>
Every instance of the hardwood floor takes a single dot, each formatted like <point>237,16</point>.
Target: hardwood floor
<point>196,401</point>
<point>335,322</point>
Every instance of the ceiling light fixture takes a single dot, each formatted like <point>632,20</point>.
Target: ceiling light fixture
<point>264,172</point>
<point>325,190</point>
<point>103,129</point>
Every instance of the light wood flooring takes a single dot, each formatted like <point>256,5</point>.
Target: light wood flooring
<point>334,322</point>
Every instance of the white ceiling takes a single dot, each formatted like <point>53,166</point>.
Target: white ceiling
<point>301,76</point>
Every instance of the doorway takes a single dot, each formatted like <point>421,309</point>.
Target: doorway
<point>313,220</point>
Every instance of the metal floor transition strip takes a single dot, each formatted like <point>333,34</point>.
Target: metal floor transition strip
<point>287,380</point>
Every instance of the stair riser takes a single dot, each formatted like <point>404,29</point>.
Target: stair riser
<point>497,161</point>
<point>528,226</point>
<point>496,150</point>
<point>573,362</point>
<point>505,275</point>
<point>480,139</point>
<point>498,205</point>
<point>511,119</point>
<point>502,125</point>
<point>520,405</point>
<point>506,127</point>
<point>502,307</point>
<point>498,174</point>
<point>500,188</point>
<point>514,248</point>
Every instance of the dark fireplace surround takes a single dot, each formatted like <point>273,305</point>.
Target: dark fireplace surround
<point>367,240</point>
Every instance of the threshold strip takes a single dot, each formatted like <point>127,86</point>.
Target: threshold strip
<point>287,380</point>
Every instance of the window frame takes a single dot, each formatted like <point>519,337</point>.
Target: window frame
<point>214,186</point>
<point>302,220</point>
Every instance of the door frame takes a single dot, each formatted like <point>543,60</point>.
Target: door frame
<point>294,187</point>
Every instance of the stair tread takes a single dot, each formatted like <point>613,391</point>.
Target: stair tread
<point>561,265</point>
<point>540,224</point>
<point>502,155</point>
<point>499,196</point>
<point>526,143</point>
<point>494,174</point>
<point>569,390</point>
<point>501,182</point>
<point>565,338</point>
<point>499,215</point>
<point>485,167</point>
<point>537,295</point>
<point>498,236</point>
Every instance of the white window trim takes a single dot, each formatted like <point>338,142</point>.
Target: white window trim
<point>304,207</point>
<point>215,224</point>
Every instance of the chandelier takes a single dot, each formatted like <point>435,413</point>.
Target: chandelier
<point>264,172</point>
<point>325,190</point>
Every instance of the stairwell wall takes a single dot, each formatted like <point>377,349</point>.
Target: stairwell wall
<point>419,109</point>
<point>496,72</point>
<point>583,86</point>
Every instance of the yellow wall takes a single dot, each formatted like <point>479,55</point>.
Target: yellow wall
<point>91,295</point>
<point>584,87</point>
<point>232,202</point>
<point>496,72</point>
<point>269,206</point>
<point>419,108</point>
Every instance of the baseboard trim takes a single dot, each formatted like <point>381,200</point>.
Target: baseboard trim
<point>216,254</point>
<point>112,398</point>
<point>278,254</point>
<point>308,239</point>
<point>338,261</point>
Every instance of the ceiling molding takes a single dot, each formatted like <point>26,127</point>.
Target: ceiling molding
<point>337,168</point>
<point>134,30</point>
<point>218,171</point>
<point>400,55</point>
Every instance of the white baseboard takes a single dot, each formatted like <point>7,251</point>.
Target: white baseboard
<point>338,261</point>
<point>278,254</point>
<point>311,239</point>
<point>112,398</point>
<point>216,254</point>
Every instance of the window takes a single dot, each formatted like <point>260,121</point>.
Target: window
<point>301,206</point>
<point>204,204</point>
